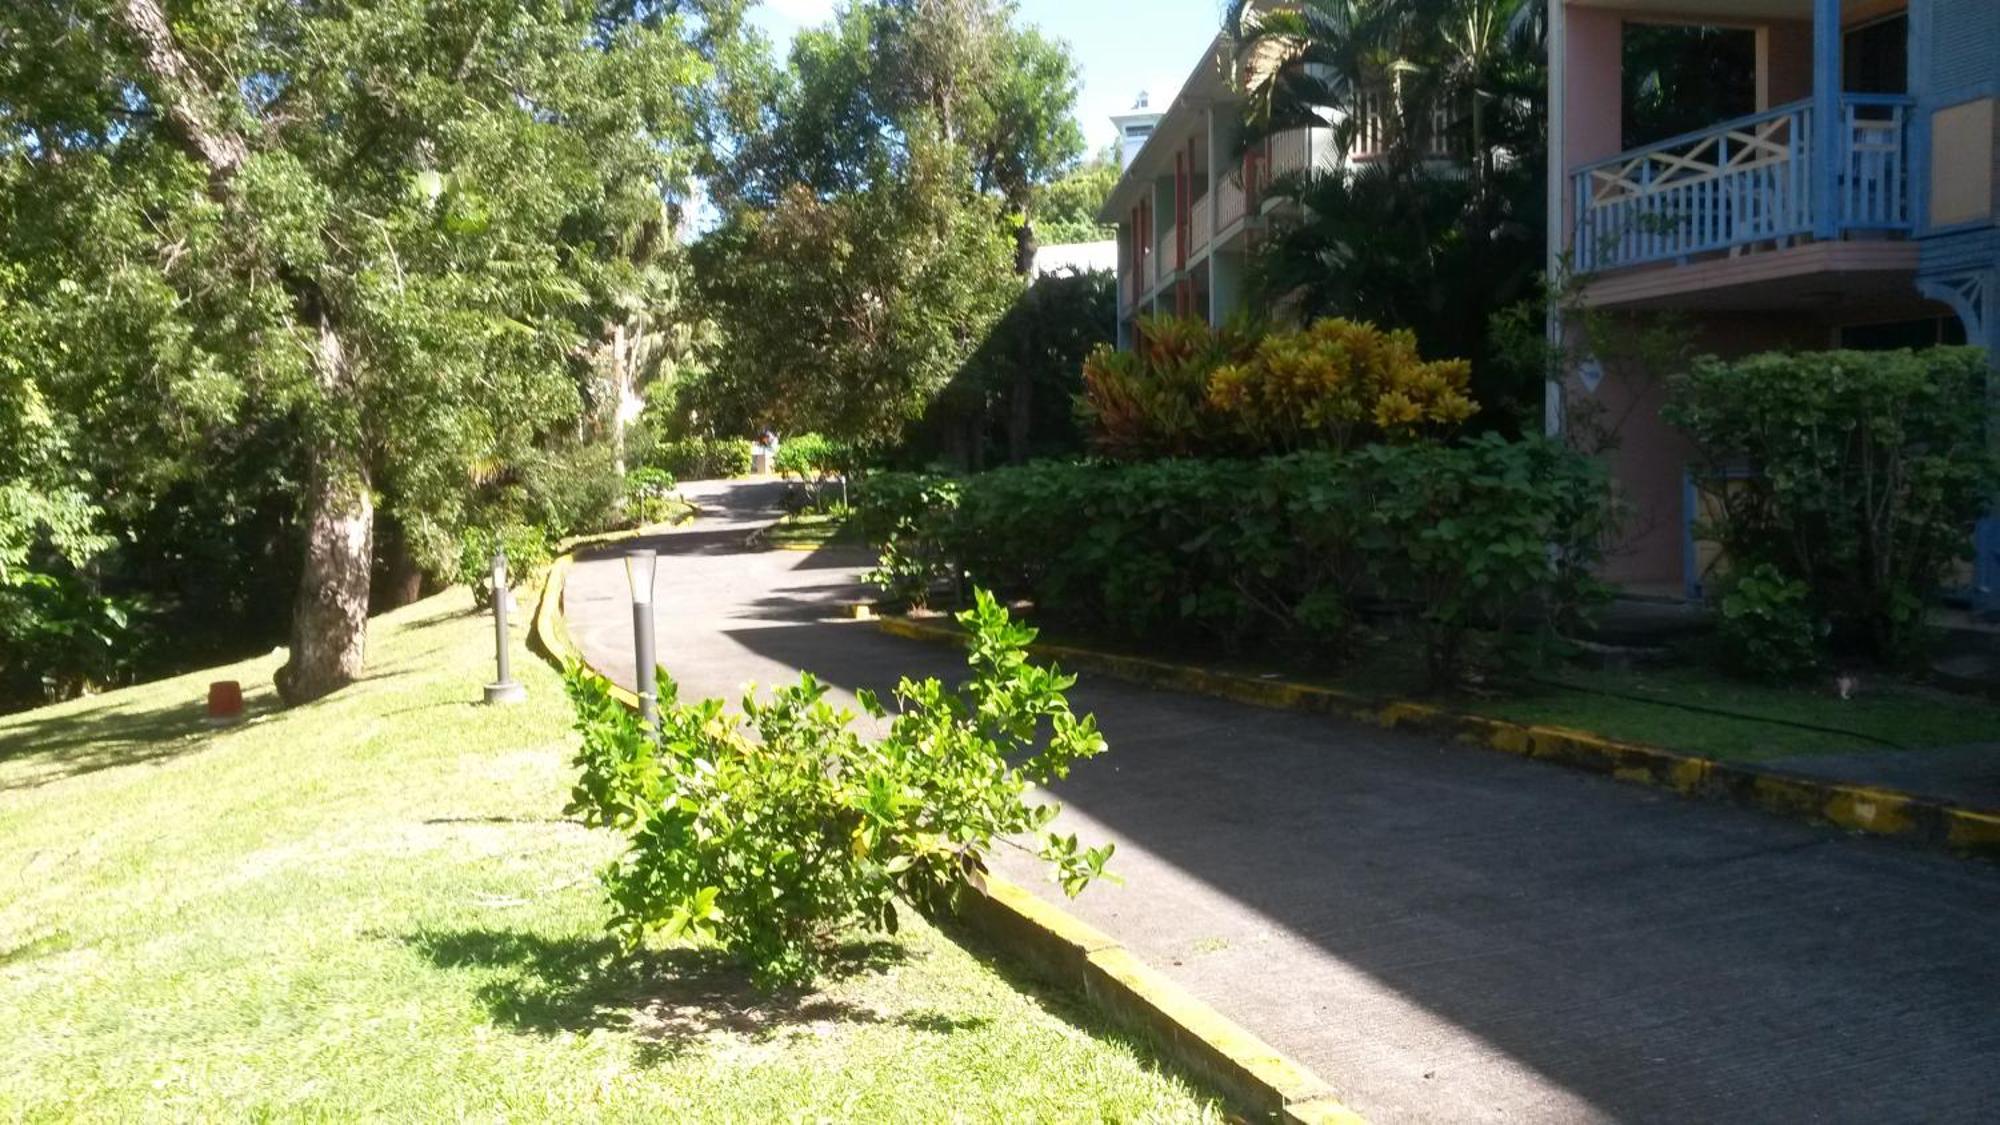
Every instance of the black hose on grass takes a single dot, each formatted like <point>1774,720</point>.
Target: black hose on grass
<point>1717,712</point>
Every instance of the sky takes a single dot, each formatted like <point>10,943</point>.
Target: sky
<point>1121,46</point>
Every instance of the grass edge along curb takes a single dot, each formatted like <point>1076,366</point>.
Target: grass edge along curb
<point>1860,808</point>
<point>1080,959</point>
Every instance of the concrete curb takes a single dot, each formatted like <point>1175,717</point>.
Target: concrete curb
<point>1079,958</point>
<point>1860,808</point>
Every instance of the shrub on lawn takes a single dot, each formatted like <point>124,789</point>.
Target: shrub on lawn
<point>1867,471</point>
<point>649,494</point>
<point>811,462</point>
<point>1188,390</point>
<point>1768,629</point>
<point>773,832</point>
<point>1445,539</point>
<point>530,550</point>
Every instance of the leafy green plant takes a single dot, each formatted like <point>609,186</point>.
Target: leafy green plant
<point>529,549</point>
<point>1767,627</point>
<point>1860,474</point>
<point>773,832</point>
<point>701,458</point>
<point>1446,539</point>
<point>907,516</point>
<point>813,461</point>
<point>649,495</point>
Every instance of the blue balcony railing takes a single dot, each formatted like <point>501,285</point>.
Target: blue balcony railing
<point>1743,182</point>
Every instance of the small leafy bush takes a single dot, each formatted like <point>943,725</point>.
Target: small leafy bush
<point>649,495</point>
<point>60,637</point>
<point>701,458</point>
<point>1768,628</point>
<point>907,517</point>
<point>811,462</point>
<point>1866,474</point>
<point>774,832</point>
<point>530,549</point>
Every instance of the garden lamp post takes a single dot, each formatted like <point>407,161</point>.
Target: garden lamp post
<point>639,566</point>
<point>503,689</point>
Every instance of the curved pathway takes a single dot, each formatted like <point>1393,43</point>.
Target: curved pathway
<point>1442,933</point>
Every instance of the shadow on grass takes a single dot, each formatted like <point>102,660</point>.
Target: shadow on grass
<point>73,744</point>
<point>669,999</point>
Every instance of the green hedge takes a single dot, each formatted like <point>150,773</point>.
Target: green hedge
<point>1444,539</point>
<point>701,458</point>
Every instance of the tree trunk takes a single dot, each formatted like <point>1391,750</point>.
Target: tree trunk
<point>330,615</point>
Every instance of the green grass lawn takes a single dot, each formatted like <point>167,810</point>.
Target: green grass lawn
<point>1764,723</point>
<point>371,907</point>
<point>806,530</point>
<point>1682,707</point>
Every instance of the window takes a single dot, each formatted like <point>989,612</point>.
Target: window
<point>1679,79</point>
<point>1875,57</point>
<point>1927,332</point>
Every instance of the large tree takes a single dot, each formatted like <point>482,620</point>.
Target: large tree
<point>855,272</point>
<point>382,224</point>
<point>886,71</point>
<point>851,314</point>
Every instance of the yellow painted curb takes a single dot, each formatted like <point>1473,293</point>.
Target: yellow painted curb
<point>1858,808</point>
<point>1074,953</point>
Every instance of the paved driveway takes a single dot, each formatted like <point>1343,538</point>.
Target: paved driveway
<point>1443,933</point>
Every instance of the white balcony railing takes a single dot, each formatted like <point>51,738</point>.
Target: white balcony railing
<point>1168,256</point>
<point>1291,152</point>
<point>1201,225</point>
<point>1742,182</point>
<point>1228,198</point>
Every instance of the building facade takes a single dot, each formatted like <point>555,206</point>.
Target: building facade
<point>1856,203</point>
<point>1188,206</point>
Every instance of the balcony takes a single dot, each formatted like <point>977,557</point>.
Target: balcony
<point>1229,199</point>
<point>1744,183</point>
<point>1291,152</point>
<point>1167,259</point>
<point>1201,226</point>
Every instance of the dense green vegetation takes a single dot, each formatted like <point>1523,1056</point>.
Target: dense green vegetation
<point>1443,227</point>
<point>372,907</point>
<point>1847,485</point>
<point>1293,551</point>
<point>867,281</point>
<point>780,832</point>
<point>297,294</point>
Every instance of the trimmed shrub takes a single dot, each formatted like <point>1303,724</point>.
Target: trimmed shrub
<point>649,496</point>
<point>701,458</point>
<point>1446,539</point>
<point>530,550</point>
<point>1867,472</point>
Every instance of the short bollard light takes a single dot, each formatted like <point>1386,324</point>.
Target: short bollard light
<point>503,689</point>
<point>639,566</point>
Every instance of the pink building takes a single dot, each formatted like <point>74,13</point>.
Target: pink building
<point>1850,199</point>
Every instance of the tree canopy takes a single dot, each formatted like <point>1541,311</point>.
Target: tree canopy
<point>876,231</point>
<point>378,235</point>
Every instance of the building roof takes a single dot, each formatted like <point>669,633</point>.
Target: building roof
<point>1207,85</point>
<point>1082,257</point>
